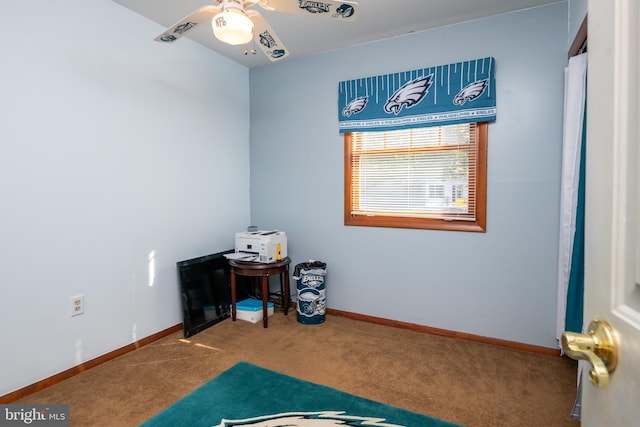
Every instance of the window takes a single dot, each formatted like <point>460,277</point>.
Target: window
<point>429,178</point>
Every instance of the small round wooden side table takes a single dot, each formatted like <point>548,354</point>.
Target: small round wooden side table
<point>254,269</point>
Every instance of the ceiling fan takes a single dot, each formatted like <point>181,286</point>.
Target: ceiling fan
<point>234,23</point>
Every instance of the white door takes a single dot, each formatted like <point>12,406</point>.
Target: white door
<point>612,240</point>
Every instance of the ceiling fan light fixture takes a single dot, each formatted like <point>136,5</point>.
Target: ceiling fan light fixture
<point>233,27</point>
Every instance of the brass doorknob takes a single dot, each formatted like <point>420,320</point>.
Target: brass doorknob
<point>598,347</point>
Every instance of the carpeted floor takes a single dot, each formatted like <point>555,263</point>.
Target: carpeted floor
<point>463,382</point>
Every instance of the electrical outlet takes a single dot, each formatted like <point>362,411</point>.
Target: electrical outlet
<point>77,305</point>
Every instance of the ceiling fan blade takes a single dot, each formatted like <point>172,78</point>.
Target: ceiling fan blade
<point>335,9</point>
<point>269,42</point>
<point>179,29</point>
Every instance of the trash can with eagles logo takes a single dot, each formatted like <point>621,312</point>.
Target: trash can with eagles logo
<point>311,307</point>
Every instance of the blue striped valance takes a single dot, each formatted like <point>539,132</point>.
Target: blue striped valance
<point>457,93</point>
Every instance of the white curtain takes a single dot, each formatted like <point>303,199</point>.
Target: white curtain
<point>575,77</point>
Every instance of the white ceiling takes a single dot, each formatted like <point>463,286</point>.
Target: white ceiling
<point>308,35</point>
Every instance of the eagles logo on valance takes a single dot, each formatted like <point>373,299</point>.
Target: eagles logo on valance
<point>463,92</point>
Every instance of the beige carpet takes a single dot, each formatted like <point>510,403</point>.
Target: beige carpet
<point>464,382</point>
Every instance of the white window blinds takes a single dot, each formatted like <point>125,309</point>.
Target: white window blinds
<point>422,172</point>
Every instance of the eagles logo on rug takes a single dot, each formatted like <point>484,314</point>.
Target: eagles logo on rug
<point>248,395</point>
<point>463,92</point>
<point>308,419</point>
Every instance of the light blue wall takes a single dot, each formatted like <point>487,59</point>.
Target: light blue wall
<point>112,146</point>
<point>577,12</point>
<point>501,284</point>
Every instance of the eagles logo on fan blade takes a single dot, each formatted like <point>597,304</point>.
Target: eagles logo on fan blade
<point>314,6</point>
<point>344,11</point>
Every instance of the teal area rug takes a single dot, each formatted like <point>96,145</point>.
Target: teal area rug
<point>248,395</point>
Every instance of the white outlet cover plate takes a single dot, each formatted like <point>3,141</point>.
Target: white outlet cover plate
<point>77,305</point>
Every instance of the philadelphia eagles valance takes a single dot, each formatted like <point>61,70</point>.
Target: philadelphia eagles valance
<point>457,93</point>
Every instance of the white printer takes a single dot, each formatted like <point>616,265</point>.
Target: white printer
<point>267,246</point>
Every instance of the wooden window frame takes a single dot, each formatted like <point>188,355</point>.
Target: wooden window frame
<point>479,225</point>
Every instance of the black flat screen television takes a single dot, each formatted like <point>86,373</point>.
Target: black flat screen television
<point>205,290</point>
